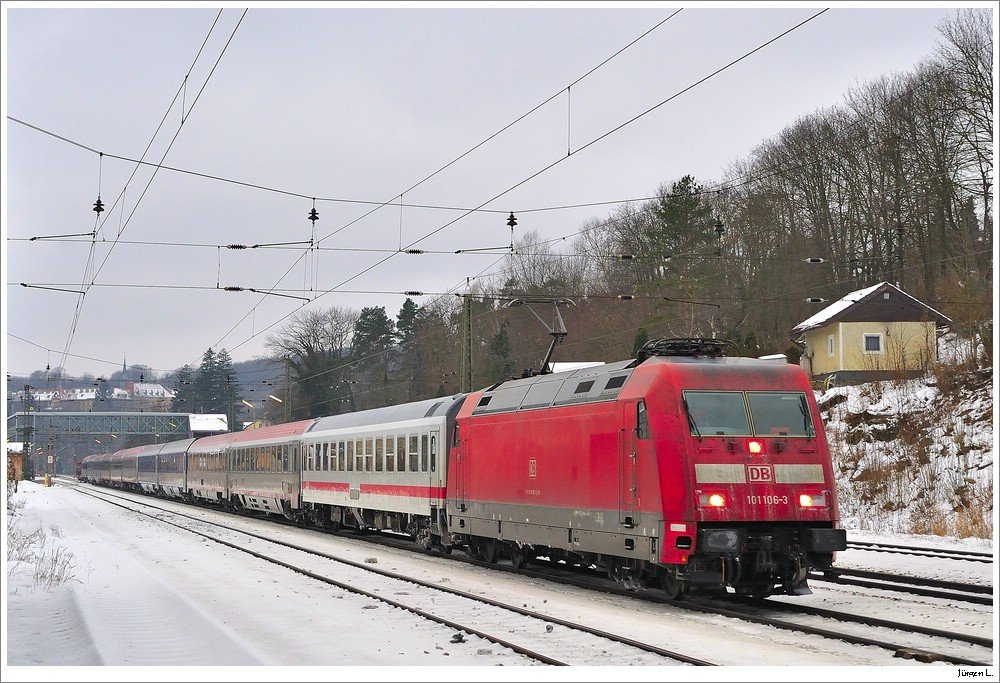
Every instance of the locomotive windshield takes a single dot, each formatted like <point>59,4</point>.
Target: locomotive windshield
<point>717,413</point>
<point>779,414</point>
<point>751,413</point>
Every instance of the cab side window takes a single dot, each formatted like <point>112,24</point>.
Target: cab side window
<point>641,421</point>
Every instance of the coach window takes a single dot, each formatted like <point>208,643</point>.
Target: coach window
<point>424,453</point>
<point>400,453</point>
<point>414,453</point>
<point>433,453</point>
<point>310,454</point>
<point>379,454</point>
<point>390,454</point>
<point>359,455</point>
<point>350,456</point>
<point>641,421</point>
<point>340,456</point>
<point>368,454</point>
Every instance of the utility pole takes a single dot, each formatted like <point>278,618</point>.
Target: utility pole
<point>50,459</point>
<point>467,346</point>
<point>26,431</point>
<point>288,393</point>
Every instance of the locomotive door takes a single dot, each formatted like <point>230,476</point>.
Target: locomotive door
<point>628,484</point>
<point>460,459</point>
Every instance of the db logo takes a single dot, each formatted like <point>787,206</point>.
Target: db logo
<point>760,473</point>
<point>532,468</point>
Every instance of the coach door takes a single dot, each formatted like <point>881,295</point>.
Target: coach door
<point>628,485</point>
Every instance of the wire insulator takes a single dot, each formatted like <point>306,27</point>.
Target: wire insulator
<point>414,251</point>
<point>413,292</point>
<point>232,288</point>
<point>236,246</point>
<point>626,297</point>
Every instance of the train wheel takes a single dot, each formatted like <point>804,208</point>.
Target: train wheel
<point>424,538</point>
<point>672,586</point>
<point>490,551</point>
<point>518,557</point>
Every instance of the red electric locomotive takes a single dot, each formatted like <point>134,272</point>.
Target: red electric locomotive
<point>683,468</point>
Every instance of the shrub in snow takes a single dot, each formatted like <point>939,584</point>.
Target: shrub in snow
<point>30,554</point>
<point>914,456</point>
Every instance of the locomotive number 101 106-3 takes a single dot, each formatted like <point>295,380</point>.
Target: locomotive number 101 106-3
<point>767,500</point>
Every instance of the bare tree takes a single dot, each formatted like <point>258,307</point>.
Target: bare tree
<point>317,345</point>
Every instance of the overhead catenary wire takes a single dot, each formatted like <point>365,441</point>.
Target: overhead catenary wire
<point>546,168</point>
<point>400,196</point>
<point>793,295</point>
<point>707,190</point>
<point>433,174</point>
<point>90,260</point>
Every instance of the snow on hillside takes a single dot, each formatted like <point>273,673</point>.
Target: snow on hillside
<point>914,456</point>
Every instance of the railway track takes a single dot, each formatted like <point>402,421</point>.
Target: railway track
<point>776,614</point>
<point>930,588</point>
<point>768,612</point>
<point>564,642</point>
<point>967,555</point>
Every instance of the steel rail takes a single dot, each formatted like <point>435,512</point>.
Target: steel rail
<point>653,649</point>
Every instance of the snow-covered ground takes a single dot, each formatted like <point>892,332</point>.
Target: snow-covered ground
<point>914,456</point>
<point>142,593</point>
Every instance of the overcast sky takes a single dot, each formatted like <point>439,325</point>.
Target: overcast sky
<point>361,103</point>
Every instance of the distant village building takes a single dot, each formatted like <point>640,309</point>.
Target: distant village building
<point>15,461</point>
<point>150,397</point>
<point>135,397</point>
<point>879,332</point>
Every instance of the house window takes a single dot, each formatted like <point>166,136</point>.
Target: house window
<point>873,343</point>
<point>829,345</point>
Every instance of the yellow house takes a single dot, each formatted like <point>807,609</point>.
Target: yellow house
<point>879,332</point>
